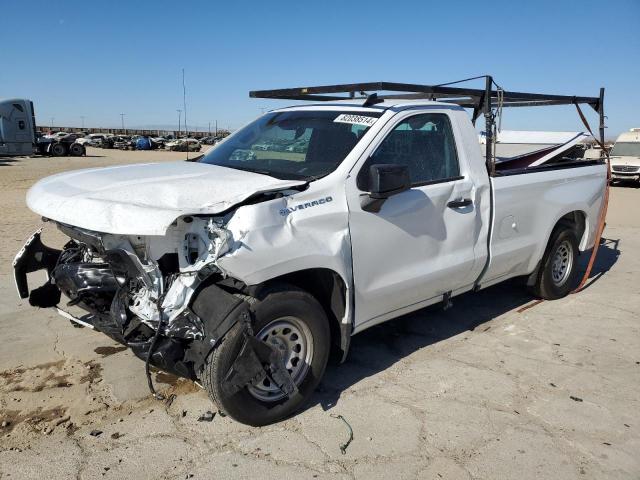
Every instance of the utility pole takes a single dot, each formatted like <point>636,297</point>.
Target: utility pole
<point>216,128</point>
<point>184,105</point>
<point>122,122</point>
<point>209,128</point>
<point>82,120</point>
<point>179,117</point>
<point>52,122</point>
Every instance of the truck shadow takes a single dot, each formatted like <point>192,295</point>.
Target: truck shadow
<point>5,161</point>
<point>607,256</point>
<point>381,346</point>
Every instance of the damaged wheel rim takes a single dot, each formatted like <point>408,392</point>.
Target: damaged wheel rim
<point>562,263</point>
<point>293,339</point>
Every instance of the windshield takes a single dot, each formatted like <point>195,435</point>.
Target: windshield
<point>626,149</point>
<point>293,145</point>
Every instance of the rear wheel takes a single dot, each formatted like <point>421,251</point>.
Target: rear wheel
<point>58,150</point>
<point>290,320</point>
<point>559,264</point>
<point>76,150</point>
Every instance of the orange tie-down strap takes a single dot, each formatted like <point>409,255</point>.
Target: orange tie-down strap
<point>603,210</point>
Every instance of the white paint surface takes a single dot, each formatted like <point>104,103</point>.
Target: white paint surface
<point>144,199</point>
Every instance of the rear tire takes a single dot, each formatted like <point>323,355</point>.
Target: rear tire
<point>271,310</point>
<point>76,150</point>
<point>558,268</point>
<point>58,150</point>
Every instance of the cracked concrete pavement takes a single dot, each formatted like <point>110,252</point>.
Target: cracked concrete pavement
<point>484,390</point>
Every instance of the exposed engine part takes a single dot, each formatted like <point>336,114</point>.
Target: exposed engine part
<point>92,285</point>
<point>171,319</point>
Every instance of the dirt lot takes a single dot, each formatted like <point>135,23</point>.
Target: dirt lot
<point>484,390</point>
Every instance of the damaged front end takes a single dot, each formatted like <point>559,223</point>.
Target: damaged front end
<point>165,297</point>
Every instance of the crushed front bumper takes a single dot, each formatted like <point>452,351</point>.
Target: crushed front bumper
<point>34,256</point>
<point>180,348</point>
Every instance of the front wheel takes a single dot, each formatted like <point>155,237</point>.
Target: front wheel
<point>559,265</point>
<point>291,321</point>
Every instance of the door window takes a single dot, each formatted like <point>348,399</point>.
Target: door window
<point>425,144</point>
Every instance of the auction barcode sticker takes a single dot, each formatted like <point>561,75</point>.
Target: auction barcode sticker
<point>355,119</point>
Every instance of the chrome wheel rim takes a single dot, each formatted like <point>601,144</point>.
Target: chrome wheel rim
<point>562,263</point>
<point>293,339</point>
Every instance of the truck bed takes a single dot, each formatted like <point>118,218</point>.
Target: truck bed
<point>529,202</point>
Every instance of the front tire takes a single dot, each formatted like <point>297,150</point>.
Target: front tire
<point>287,318</point>
<point>559,266</point>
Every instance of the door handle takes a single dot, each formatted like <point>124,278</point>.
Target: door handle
<point>465,202</point>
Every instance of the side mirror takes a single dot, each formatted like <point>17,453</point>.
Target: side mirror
<point>385,180</point>
<point>197,158</point>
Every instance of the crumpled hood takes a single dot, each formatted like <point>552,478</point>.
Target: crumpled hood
<point>144,199</point>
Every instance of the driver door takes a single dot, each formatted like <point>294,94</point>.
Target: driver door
<point>420,244</point>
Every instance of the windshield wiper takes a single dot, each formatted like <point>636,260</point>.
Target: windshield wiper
<point>278,175</point>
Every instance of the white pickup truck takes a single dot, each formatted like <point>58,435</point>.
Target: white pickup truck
<point>245,269</point>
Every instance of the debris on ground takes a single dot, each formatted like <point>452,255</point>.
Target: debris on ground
<point>62,420</point>
<point>116,435</point>
<point>575,399</point>
<point>170,400</point>
<point>95,433</point>
<point>207,416</point>
<point>343,447</point>
<point>184,413</point>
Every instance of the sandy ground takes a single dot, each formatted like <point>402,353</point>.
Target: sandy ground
<point>484,390</point>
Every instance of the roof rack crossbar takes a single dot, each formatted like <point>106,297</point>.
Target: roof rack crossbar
<point>510,99</point>
<point>482,101</point>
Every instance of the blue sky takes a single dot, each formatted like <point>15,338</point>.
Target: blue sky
<point>79,58</point>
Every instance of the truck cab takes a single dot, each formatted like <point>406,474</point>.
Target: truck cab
<point>17,127</point>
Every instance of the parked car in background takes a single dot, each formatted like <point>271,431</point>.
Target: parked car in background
<point>93,139</point>
<point>145,142</point>
<point>56,135</point>
<point>160,141</point>
<point>183,145</point>
<point>625,156</point>
<point>243,155</point>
